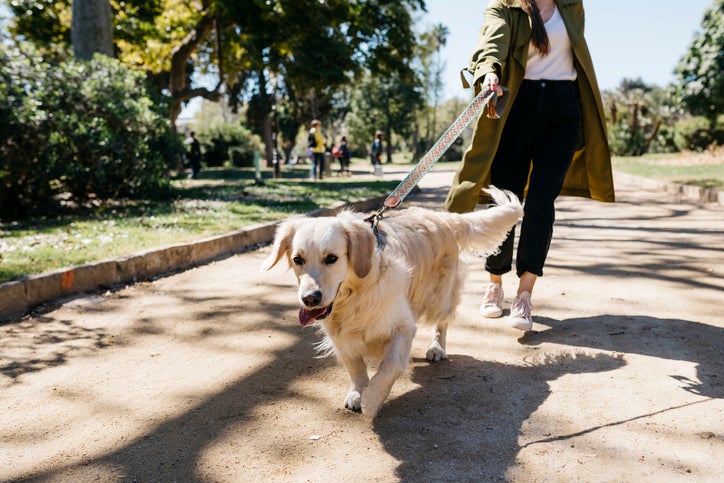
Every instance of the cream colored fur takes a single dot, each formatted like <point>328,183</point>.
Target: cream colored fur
<point>372,295</point>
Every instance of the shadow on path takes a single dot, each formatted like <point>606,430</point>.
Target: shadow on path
<point>476,409</point>
<point>676,340</point>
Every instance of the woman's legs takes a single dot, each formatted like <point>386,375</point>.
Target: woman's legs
<point>525,282</point>
<point>510,169</point>
<point>543,128</point>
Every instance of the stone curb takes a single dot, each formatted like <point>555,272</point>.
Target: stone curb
<point>20,296</point>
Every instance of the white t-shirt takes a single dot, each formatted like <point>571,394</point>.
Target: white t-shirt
<point>558,64</point>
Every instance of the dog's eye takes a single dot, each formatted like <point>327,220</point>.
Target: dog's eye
<point>330,259</point>
<point>298,260</point>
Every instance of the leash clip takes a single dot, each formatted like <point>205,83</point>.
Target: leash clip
<point>374,220</point>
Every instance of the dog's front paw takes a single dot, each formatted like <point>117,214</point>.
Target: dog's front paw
<point>353,401</point>
<point>436,353</point>
<point>371,406</point>
<point>373,398</point>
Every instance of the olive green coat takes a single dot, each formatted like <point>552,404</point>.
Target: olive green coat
<point>503,48</point>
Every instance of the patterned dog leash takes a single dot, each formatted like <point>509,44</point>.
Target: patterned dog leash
<point>484,98</point>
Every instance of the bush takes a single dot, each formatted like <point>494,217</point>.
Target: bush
<point>228,143</point>
<point>75,130</point>
<point>622,143</point>
<point>664,141</point>
<point>693,134</point>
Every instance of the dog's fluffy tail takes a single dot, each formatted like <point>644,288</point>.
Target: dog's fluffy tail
<point>485,230</point>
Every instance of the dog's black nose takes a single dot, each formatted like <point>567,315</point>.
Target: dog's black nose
<point>312,299</point>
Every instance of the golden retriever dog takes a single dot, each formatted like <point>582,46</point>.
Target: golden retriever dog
<point>368,292</point>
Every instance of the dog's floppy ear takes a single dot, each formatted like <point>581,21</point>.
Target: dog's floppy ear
<point>361,247</point>
<point>282,243</point>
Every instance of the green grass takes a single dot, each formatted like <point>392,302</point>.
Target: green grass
<point>221,201</point>
<point>704,170</point>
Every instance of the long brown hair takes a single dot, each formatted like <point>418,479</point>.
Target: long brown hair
<point>539,36</point>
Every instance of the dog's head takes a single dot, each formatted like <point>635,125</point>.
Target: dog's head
<point>323,253</point>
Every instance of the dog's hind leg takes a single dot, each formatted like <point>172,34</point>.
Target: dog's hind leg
<point>450,276</point>
<point>436,352</point>
<point>357,370</point>
<point>391,367</point>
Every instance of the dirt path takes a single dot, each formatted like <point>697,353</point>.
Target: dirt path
<point>207,376</point>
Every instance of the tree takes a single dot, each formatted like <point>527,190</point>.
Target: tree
<point>45,22</point>
<point>700,72</point>
<point>174,41</point>
<point>636,112</point>
<point>168,39</point>
<point>181,53</point>
<point>387,104</point>
<point>432,67</point>
<point>303,52</point>
<point>92,28</point>
<point>298,51</point>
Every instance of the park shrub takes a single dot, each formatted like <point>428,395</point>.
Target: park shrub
<point>693,134</point>
<point>623,143</point>
<point>227,143</point>
<point>75,131</point>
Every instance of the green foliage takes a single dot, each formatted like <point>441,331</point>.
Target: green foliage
<point>638,115</point>
<point>388,104</point>
<point>45,22</point>
<point>75,131</point>
<point>301,53</point>
<point>293,53</point>
<point>694,134</point>
<point>700,72</point>
<point>231,143</point>
<point>623,142</point>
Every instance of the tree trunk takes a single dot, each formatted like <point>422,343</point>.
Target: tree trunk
<point>91,28</point>
<point>177,84</point>
<point>416,148</point>
<point>268,140</point>
<point>652,136</point>
<point>634,119</point>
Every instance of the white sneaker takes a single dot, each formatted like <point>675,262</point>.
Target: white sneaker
<point>520,312</point>
<point>492,306</point>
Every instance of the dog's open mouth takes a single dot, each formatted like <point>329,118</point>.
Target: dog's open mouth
<point>306,317</point>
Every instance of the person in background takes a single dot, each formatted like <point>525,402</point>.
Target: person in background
<point>317,143</point>
<point>376,149</point>
<point>536,49</point>
<point>344,157</point>
<point>194,154</point>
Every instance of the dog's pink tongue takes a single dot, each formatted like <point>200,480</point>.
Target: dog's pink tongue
<point>308,316</point>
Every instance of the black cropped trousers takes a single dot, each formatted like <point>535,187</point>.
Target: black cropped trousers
<point>536,148</point>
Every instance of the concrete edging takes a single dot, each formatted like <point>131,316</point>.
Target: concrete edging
<point>18,297</point>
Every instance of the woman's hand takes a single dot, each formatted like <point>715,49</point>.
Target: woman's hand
<point>491,82</point>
